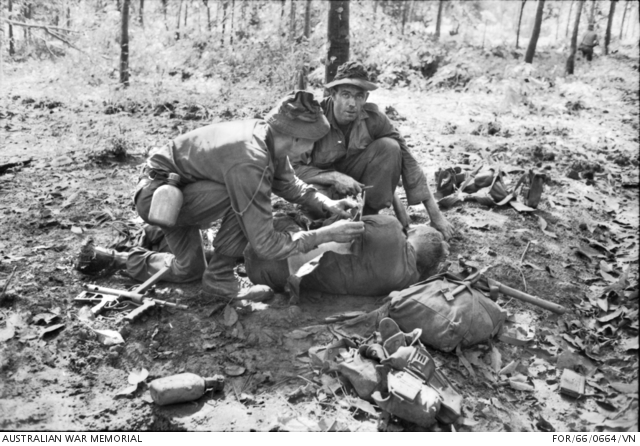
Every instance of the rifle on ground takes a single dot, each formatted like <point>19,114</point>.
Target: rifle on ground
<point>110,298</point>
<point>494,287</point>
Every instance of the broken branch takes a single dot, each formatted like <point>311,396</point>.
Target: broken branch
<point>6,284</point>
<point>34,25</point>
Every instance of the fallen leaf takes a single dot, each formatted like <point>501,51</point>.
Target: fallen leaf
<point>51,329</point>
<point>364,406</point>
<point>517,385</point>
<point>7,333</point>
<point>76,230</point>
<point>127,391</point>
<point>209,345</point>
<point>629,344</point>
<point>137,376</point>
<point>614,424</point>
<point>509,369</point>
<point>625,388</point>
<point>109,337</point>
<point>542,223</point>
<point>234,370</point>
<point>230,316</point>
<point>611,316</point>
<point>299,334</point>
<point>45,318</point>
<point>496,359</point>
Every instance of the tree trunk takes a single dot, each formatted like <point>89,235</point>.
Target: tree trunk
<point>225,5</point>
<point>607,34</point>
<point>12,49</point>
<point>164,13</point>
<point>338,38</point>
<point>178,23</point>
<point>124,45</point>
<point>574,40</point>
<point>404,16</point>
<point>624,15</point>
<point>186,13</point>
<point>439,20</point>
<point>558,21</point>
<point>27,16</point>
<point>566,31</point>
<point>531,49</point>
<point>233,8</point>
<point>519,23</point>
<point>141,13</point>
<point>206,4</point>
<point>292,20</point>
<point>307,19</point>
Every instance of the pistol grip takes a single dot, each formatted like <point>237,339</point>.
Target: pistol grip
<point>96,309</point>
<point>146,304</point>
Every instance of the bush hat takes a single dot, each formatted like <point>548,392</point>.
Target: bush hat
<point>352,73</point>
<point>299,115</point>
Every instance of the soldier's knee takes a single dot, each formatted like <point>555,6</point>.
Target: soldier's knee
<point>388,146</point>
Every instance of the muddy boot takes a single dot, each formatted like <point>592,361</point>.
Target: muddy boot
<point>219,282</point>
<point>94,260</point>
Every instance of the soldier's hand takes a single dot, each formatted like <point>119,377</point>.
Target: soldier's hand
<point>341,231</point>
<point>340,207</point>
<point>345,185</point>
<point>441,224</point>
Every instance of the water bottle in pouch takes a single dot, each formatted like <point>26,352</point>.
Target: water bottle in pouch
<point>166,202</point>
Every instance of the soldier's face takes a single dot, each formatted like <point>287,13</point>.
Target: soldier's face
<point>300,146</point>
<point>347,103</point>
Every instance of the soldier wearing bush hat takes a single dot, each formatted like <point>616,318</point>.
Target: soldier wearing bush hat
<point>227,172</point>
<point>363,148</point>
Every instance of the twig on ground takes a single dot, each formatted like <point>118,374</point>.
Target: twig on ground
<point>6,283</point>
<point>524,253</point>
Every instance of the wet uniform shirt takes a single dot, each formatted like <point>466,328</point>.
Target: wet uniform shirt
<point>371,124</point>
<point>240,155</point>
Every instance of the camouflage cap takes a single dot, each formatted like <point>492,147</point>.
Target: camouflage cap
<point>299,115</point>
<point>352,73</point>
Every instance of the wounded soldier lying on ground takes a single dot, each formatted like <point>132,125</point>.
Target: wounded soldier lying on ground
<point>382,260</point>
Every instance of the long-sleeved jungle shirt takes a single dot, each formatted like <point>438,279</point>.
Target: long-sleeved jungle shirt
<point>240,155</point>
<point>369,125</point>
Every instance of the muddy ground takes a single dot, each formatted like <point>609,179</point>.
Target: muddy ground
<point>77,150</point>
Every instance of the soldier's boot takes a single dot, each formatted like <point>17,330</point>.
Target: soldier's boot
<point>219,282</point>
<point>94,260</point>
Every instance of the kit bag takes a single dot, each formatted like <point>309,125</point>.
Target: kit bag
<point>446,321</point>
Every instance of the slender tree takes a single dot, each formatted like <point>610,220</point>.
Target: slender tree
<point>224,21</point>
<point>206,5</point>
<point>164,14</point>
<point>178,22</point>
<point>566,31</point>
<point>124,44</point>
<point>592,14</point>
<point>574,40</point>
<point>292,20</point>
<point>141,13</point>
<point>307,19</point>
<point>624,15</point>
<point>519,23</point>
<point>12,49</point>
<point>186,13</point>
<point>531,49</point>
<point>233,8</point>
<point>607,34</point>
<point>338,37</point>
<point>405,11</point>
<point>439,19</point>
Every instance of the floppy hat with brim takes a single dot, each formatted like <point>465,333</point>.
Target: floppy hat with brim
<point>352,73</point>
<point>300,116</point>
